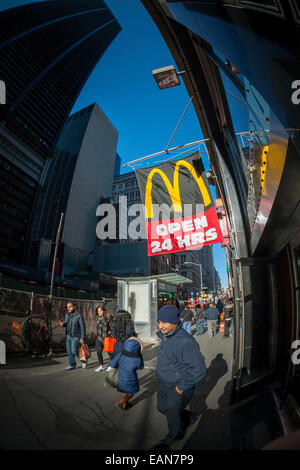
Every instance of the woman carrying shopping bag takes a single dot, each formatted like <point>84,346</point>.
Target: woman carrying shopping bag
<point>103,331</point>
<point>128,361</point>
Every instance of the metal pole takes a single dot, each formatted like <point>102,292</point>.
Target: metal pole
<point>185,145</point>
<point>163,151</point>
<point>200,265</point>
<point>52,283</point>
<point>166,150</point>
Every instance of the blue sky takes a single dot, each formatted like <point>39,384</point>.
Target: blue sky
<point>123,86</point>
<point>145,116</point>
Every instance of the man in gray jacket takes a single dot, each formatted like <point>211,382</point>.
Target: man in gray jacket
<point>180,366</point>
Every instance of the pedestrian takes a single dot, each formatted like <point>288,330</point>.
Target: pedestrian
<point>228,317</point>
<point>180,366</point>
<point>199,319</point>
<point>122,328</point>
<point>211,315</point>
<point>188,319</point>
<point>103,330</point>
<point>110,318</point>
<point>220,307</point>
<point>74,329</point>
<point>128,361</point>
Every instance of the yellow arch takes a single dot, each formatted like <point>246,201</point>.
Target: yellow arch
<point>174,190</point>
<point>263,166</point>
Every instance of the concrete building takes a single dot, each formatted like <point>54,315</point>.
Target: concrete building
<point>218,285</point>
<point>76,181</point>
<point>208,268</point>
<point>47,51</point>
<point>188,264</point>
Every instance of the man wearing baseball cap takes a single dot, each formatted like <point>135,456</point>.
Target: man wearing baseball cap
<point>180,366</point>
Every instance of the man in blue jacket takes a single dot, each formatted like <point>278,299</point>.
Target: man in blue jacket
<point>74,328</point>
<point>180,366</point>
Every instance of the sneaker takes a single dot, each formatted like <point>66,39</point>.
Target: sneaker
<point>100,368</point>
<point>70,368</point>
<point>83,365</point>
<point>109,369</point>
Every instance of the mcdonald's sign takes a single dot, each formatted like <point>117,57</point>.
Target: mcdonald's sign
<point>180,214</point>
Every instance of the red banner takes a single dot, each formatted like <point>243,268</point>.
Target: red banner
<point>180,234</point>
<point>224,227</point>
<point>182,186</point>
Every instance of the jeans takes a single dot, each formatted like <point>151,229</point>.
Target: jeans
<point>187,325</point>
<point>99,349</point>
<point>172,405</point>
<point>72,350</point>
<point>211,327</point>
<point>199,326</point>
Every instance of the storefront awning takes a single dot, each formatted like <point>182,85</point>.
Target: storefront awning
<point>170,278</point>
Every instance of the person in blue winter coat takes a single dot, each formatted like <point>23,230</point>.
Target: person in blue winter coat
<point>180,367</point>
<point>128,360</point>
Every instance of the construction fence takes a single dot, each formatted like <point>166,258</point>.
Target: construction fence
<point>24,319</point>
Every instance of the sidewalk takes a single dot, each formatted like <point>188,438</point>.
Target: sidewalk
<point>45,407</point>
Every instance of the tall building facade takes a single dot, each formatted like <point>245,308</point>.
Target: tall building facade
<point>218,285</point>
<point>184,263</point>
<point>208,268</point>
<point>117,165</point>
<point>47,51</point>
<point>76,180</point>
<point>198,266</point>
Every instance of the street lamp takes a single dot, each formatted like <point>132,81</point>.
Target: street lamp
<point>200,266</point>
<point>166,77</point>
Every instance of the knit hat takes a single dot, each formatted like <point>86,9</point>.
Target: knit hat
<point>169,314</point>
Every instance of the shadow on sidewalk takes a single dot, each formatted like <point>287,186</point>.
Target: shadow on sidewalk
<point>213,430</point>
<point>28,362</point>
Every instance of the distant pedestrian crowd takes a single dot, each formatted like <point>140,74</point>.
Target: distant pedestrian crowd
<point>209,316</point>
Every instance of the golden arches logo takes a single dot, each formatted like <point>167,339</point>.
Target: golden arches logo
<point>174,189</point>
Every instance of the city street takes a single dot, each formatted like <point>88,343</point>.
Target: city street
<point>45,407</point>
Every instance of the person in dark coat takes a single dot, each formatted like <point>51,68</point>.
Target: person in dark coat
<point>122,328</point>
<point>199,319</point>
<point>74,329</point>
<point>128,360</point>
<point>228,317</point>
<point>188,320</point>
<point>220,307</point>
<point>103,330</point>
<point>180,367</point>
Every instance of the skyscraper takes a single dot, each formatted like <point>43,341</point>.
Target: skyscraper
<point>80,175</point>
<point>47,51</point>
